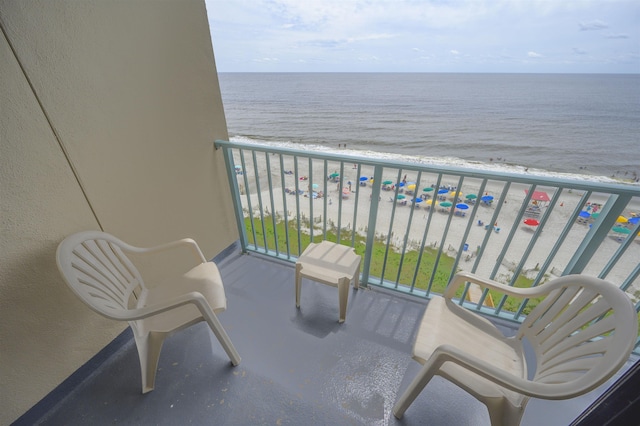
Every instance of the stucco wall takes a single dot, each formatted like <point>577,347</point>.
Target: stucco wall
<point>129,90</point>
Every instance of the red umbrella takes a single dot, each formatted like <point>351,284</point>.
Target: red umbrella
<point>532,222</point>
<point>539,195</point>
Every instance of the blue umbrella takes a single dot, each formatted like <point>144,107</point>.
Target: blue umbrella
<point>401,184</point>
<point>634,220</point>
<point>462,206</point>
<point>487,198</point>
<point>363,178</point>
<point>443,191</point>
<point>418,200</point>
<point>584,214</point>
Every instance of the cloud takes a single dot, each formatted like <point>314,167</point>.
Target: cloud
<point>617,36</point>
<point>534,55</point>
<point>454,52</point>
<point>593,26</point>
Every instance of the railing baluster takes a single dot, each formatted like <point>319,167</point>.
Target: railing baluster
<point>414,240</point>
<point>284,206</point>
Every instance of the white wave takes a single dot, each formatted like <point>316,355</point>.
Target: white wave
<point>437,161</point>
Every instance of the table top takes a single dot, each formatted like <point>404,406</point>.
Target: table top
<point>331,256</point>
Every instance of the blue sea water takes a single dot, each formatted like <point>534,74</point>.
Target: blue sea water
<point>585,125</point>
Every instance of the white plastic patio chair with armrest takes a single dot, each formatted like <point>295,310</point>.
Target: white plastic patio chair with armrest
<point>96,267</point>
<point>581,333</point>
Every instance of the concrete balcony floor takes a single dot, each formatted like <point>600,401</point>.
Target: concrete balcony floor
<point>299,367</point>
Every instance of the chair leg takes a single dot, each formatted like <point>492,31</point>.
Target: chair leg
<point>223,338</point>
<point>414,389</point>
<point>149,347</point>
<point>343,296</point>
<point>503,413</point>
<point>298,283</point>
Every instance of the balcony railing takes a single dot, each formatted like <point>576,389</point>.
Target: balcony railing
<point>416,225</point>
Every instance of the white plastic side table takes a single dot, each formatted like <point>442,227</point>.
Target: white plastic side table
<point>332,264</point>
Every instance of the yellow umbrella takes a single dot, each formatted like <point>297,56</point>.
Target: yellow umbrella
<point>452,194</point>
<point>429,202</point>
<point>622,219</point>
<point>411,187</point>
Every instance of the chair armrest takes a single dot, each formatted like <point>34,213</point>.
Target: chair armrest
<point>185,243</point>
<point>462,277</point>
<point>448,353</point>
<point>193,297</point>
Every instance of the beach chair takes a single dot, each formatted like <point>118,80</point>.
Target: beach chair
<point>581,334</point>
<point>97,268</point>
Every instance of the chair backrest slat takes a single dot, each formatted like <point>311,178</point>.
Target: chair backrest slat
<point>98,270</point>
<point>575,332</point>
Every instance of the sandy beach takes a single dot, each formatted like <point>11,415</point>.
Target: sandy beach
<point>451,231</point>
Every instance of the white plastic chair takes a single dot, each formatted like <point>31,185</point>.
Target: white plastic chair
<point>577,348</point>
<point>96,267</point>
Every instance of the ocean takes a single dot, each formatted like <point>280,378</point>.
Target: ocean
<point>582,126</point>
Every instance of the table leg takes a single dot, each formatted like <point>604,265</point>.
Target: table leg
<point>343,296</point>
<point>298,283</point>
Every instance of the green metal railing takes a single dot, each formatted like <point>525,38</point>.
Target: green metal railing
<point>416,225</point>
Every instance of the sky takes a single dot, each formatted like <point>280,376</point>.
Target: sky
<point>517,36</point>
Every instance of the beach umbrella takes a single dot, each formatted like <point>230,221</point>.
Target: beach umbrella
<point>411,187</point>
<point>486,198</point>
<point>595,215</point>
<point>363,178</point>
<point>387,182</point>
<point>237,167</point>
<point>430,202</point>
<point>401,184</point>
<point>418,200</point>
<point>454,194</point>
<point>634,220</point>
<point>443,191</point>
<point>471,196</point>
<point>622,219</point>
<point>532,222</point>
<point>427,189</point>
<point>462,206</point>
<point>401,196</point>
<point>314,186</point>
<point>584,214</point>
<point>334,175</point>
<point>621,230</point>
<point>446,204</point>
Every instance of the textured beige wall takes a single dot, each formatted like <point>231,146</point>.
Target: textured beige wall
<point>130,91</point>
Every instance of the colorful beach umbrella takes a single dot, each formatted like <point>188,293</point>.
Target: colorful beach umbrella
<point>595,215</point>
<point>584,214</point>
<point>486,198</point>
<point>334,175</point>
<point>443,191</point>
<point>531,222</point>
<point>462,206</point>
<point>634,220</point>
<point>622,219</point>
<point>430,202</point>
<point>446,204</point>
<point>454,194</point>
<point>314,186</point>
<point>471,196</point>
<point>387,182</point>
<point>401,196</point>
<point>418,200</point>
<point>363,178</point>
<point>411,187</point>
<point>621,230</point>
<point>427,189</point>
